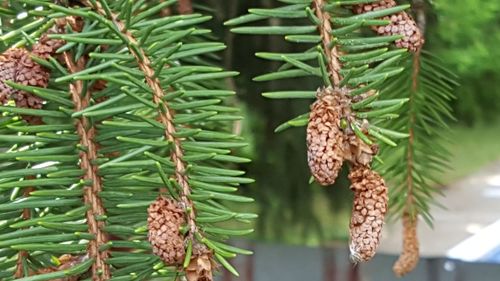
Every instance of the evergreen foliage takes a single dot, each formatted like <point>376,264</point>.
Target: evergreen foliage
<point>354,59</point>
<point>414,163</point>
<point>136,106</point>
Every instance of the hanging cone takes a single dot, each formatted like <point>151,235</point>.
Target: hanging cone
<point>369,208</point>
<point>401,24</point>
<point>408,259</point>
<point>165,218</point>
<point>201,266</point>
<point>357,151</point>
<point>325,137</point>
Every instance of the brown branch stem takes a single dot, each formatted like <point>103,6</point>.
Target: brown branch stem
<point>166,115</point>
<point>418,7</point>
<point>86,131</point>
<point>185,7</point>
<point>23,254</point>
<point>331,52</point>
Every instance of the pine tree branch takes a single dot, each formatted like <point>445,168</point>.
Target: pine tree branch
<point>331,52</point>
<point>100,269</point>
<point>166,115</point>
<point>421,22</point>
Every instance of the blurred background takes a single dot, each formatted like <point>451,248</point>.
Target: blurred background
<point>302,231</point>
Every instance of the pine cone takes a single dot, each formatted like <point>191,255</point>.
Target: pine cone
<point>201,266</point>
<point>357,151</point>
<point>9,64</point>
<point>165,217</point>
<point>325,137</point>
<point>369,208</point>
<point>401,24</point>
<point>383,4</point>
<point>16,65</point>
<point>408,259</point>
<point>46,47</point>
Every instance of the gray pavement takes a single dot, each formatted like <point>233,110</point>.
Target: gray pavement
<point>472,203</point>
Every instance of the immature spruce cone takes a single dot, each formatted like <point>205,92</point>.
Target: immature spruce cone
<point>46,47</point>
<point>165,217</point>
<point>408,259</point>
<point>17,66</point>
<point>401,24</point>
<point>201,265</point>
<point>357,151</point>
<point>9,62</point>
<point>325,137</point>
<point>369,208</point>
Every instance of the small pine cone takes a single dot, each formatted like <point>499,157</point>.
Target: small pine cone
<point>384,4</point>
<point>46,47</point>
<point>401,24</point>
<point>9,64</point>
<point>201,266</point>
<point>17,65</point>
<point>369,208</point>
<point>325,137</point>
<point>165,217</point>
<point>358,152</point>
<point>363,178</point>
<point>408,259</point>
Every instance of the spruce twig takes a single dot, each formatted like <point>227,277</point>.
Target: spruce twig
<point>166,115</point>
<point>331,52</point>
<point>86,131</point>
<point>408,259</point>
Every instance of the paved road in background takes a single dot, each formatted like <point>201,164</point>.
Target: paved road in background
<point>473,208</point>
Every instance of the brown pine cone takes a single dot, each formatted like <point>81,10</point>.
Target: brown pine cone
<point>201,266</point>
<point>17,65</point>
<point>165,218</point>
<point>46,47</point>
<point>369,208</point>
<point>401,24</point>
<point>325,137</point>
<point>357,151</point>
<point>9,64</point>
<point>410,255</point>
<point>383,4</point>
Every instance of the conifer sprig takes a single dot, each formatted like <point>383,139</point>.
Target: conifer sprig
<point>335,53</point>
<point>135,107</point>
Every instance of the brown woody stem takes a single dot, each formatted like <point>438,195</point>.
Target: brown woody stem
<point>23,254</point>
<point>166,115</point>
<point>419,9</point>
<point>185,7</point>
<point>421,22</point>
<point>86,131</point>
<point>331,52</point>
